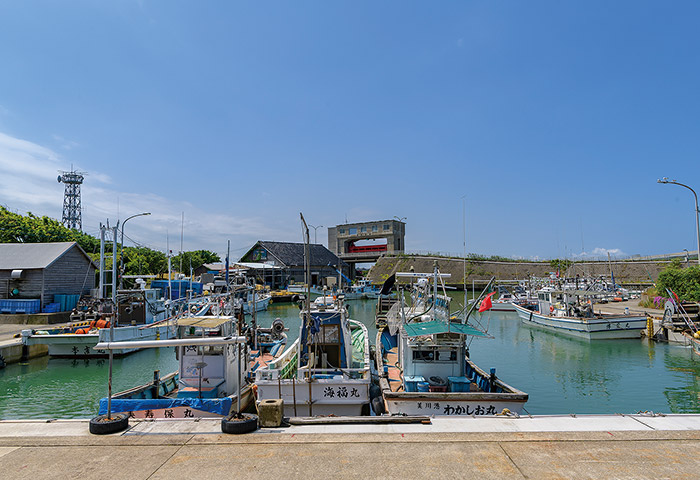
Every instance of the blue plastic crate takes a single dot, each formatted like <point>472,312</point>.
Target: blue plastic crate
<point>52,308</point>
<point>458,384</point>
<point>411,382</point>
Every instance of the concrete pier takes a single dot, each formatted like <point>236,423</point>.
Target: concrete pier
<point>541,447</point>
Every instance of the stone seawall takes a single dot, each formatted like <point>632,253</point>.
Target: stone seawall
<point>479,272</point>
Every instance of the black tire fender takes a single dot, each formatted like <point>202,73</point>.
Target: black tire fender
<point>378,405</point>
<point>102,425</point>
<point>233,425</point>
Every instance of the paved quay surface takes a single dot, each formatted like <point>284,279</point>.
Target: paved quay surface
<point>540,447</point>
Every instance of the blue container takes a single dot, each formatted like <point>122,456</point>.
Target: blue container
<point>20,306</point>
<point>423,387</point>
<point>52,308</point>
<point>458,384</point>
<point>411,383</point>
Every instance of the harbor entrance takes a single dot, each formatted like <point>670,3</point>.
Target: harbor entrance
<point>365,242</point>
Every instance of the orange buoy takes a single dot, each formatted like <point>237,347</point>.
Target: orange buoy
<point>100,323</point>
<point>80,331</point>
<point>92,324</point>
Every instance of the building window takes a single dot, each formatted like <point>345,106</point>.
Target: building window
<point>363,229</point>
<point>341,230</point>
<point>375,228</point>
<point>353,231</point>
<point>386,227</point>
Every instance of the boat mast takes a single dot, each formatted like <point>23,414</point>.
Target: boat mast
<point>307,276</point>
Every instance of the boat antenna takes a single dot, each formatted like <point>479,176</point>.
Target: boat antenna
<point>464,245</point>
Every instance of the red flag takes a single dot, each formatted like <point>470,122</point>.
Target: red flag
<point>486,303</point>
<point>674,294</point>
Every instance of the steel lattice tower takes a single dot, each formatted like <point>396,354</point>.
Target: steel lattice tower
<point>72,217</point>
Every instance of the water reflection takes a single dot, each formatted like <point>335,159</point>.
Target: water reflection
<point>561,374</point>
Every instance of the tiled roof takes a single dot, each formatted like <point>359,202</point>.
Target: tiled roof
<point>292,254</point>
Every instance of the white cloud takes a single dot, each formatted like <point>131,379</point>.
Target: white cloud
<point>600,252</point>
<point>28,173</point>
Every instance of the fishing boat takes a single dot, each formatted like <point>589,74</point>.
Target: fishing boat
<point>141,312</point>
<point>326,371</point>
<point>258,301</point>
<point>214,369</point>
<point>570,312</point>
<point>423,360</point>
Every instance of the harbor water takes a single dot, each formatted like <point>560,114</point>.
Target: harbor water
<point>561,375</point>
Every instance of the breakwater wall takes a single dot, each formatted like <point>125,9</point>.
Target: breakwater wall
<point>478,272</point>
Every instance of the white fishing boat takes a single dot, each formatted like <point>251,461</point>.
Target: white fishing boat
<point>570,312</point>
<point>212,370</point>
<point>424,365</point>
<point>144,312</point>
<point>326,371</point>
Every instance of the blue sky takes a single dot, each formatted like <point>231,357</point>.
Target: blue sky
<point>552,120</point>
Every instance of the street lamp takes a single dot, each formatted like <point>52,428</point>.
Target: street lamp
<point>121,261</point>
<point>697,212</point>
<point>400,219</point>
<point>315,228</point>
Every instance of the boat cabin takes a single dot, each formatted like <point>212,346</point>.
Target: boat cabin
<point>325,341</point>
<point>563,303</point>
<point>209,371</point>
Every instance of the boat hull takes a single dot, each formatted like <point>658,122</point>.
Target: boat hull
<point>260,304</point>
<point>72,345</point>
<point>169,408</point>
<point>694,342</point>
<point>334,396</point>
<point>498,306</point>
<point>453,404</point>
<point>603,327</point>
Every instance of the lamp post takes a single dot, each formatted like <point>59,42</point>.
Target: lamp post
<point>315,228</point>
<point>121,260</point>
<point>697,212</point>
<point>400,219</point>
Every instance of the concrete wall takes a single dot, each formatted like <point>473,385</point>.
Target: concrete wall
<point>626,272</point>
<point>339,236</point>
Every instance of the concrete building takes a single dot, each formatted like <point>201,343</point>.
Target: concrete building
<point>31,271</point>
<point>367,241</point>
<point>289,257</point>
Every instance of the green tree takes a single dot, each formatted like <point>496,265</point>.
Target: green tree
<point>194,259</point>
<point>684,282</point>
<point>561,265</point>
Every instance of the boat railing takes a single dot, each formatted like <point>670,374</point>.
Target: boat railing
<point>330,373</point>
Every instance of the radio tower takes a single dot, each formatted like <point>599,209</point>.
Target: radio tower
<point>72,217</point>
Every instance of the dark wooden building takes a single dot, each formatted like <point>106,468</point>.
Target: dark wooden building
<point>289,257</point>
<point>42,270</point>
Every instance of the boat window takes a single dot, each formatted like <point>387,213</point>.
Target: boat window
<point>424,355</point>
<point>330,334</point>
<point>434,356</point>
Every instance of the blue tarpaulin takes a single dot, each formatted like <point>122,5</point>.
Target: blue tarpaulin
<point>219,406</point>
